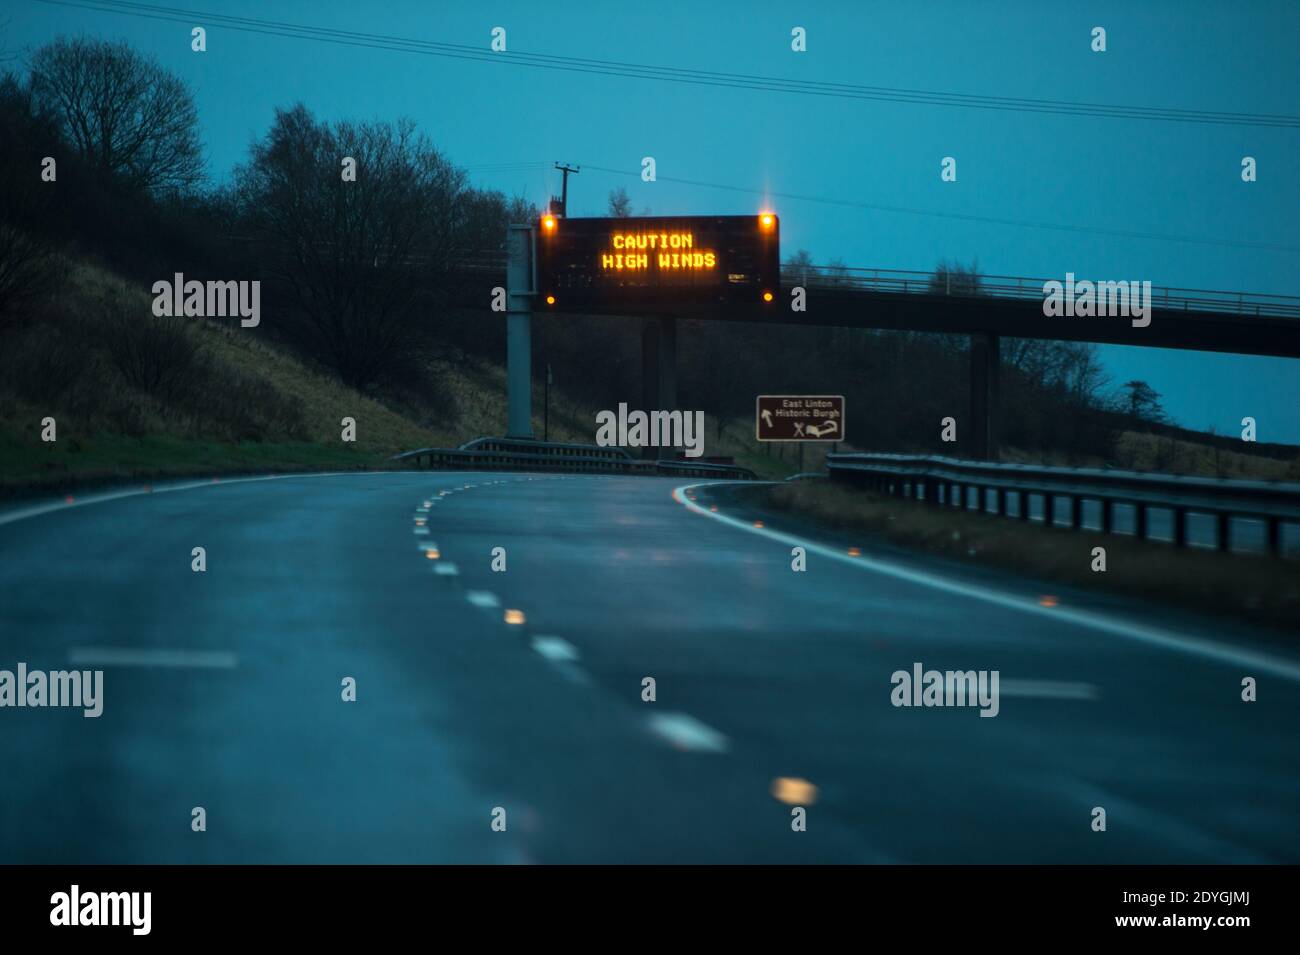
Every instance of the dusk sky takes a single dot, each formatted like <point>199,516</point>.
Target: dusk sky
<point>507,123</point>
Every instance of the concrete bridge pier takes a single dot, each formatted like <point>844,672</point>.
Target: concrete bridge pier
<point>658,369</point>
<point>985,395</point>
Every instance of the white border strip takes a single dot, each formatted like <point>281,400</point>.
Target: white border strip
<point>215,481</point>
<point>145,657</point>
<point>1223,653</point>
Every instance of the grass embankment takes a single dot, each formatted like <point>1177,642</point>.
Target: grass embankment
<point>137,397</point>
<point>1151,452</point>
<point>1245,587</point>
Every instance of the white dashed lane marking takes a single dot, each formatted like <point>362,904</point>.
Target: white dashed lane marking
<point>1047,689</point>
<point>685,732</point>
<point>483,598</point>
<point>555,649</point>
<point>563,656</point>
<point>446,569</point>
<point>129,657</point>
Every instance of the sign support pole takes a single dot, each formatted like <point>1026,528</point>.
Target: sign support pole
<point>658,368</point>
<point>520,289</point>
<point>667,363</point>
<point>650,372</point>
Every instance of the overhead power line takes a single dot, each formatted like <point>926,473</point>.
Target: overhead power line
<point>992,220</point>
<point>681,75</point>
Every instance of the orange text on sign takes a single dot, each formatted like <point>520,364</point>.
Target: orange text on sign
<point>666,251</point>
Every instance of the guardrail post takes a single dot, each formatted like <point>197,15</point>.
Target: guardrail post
<point>1223,531</point>
<point>1002,501</point>
<point>1107,515</point>
<point>1180,526</point>
<point>1274,537</point>
<point>1076,512</point>
<point>1049,510</point>
<point>1140,521</point>
<point>1023,497</point>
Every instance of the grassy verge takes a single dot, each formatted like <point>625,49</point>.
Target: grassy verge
<point>1252,588</point>
<point>26,468</point>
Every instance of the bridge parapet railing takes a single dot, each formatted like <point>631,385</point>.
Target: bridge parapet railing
<point>954,482</point>
<point>1024,288</point>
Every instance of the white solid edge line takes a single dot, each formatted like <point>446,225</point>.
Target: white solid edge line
<point>1047,689</point>
<point>144,657</point>
<point>1095,620</point>
<point>63,505</point>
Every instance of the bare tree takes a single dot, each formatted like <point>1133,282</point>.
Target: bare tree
<point>1143,402</point>
<point>360,259</point>
<point>620,206</point>
<point>836,273</point>
<point>30,267</point>
<point>955,279</point>
<point>122,111</point>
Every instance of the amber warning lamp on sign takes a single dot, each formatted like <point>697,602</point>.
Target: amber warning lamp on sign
<point>586,263</point>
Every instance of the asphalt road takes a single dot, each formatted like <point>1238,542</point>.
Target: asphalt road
<point>222,689</point>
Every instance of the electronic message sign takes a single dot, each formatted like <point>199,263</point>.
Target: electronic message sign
<point>583,263</point>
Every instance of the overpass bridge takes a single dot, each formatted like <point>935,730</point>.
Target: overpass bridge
<point>1244,323</point>
<point>996,306</point>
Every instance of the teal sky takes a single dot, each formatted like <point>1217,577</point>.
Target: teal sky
<point>1094,172</point>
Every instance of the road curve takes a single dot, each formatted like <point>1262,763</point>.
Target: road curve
<point>222,689</point>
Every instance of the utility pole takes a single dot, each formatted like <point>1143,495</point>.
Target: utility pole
<point>564,189</point>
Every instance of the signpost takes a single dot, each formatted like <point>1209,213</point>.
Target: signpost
<point>799,418</point>
<point>519,342</point>
<point>584,263</point>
